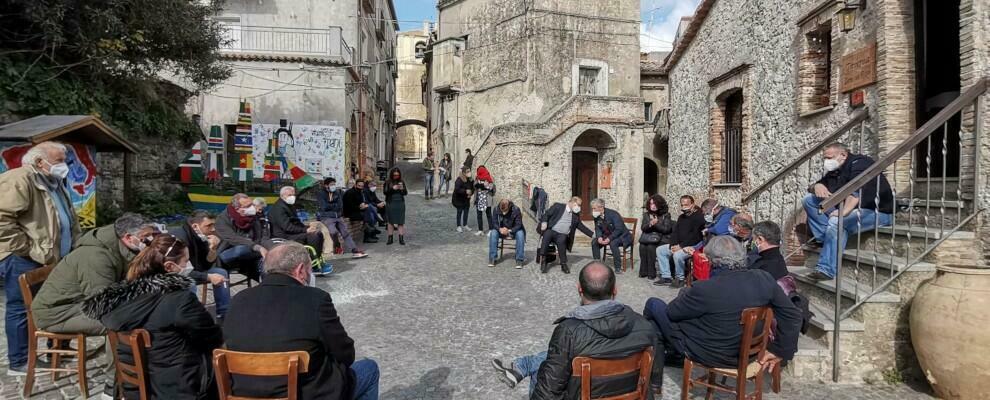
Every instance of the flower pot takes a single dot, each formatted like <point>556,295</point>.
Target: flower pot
<point>949,318</point>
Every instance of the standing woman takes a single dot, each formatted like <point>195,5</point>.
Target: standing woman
<point>445,173</point>
<point>395,205</point>
<point>155,297</point>
<point>485,188</point>
<point>463,187</point>
<point>657,227</point>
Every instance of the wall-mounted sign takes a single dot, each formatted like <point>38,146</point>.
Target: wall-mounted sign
<point>859,68</point>
<point>857,98</point>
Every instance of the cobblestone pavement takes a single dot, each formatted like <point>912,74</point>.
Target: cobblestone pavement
<point>433,315</point>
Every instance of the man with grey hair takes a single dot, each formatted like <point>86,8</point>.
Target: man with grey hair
<point>244,240</point>
<point>37,226</point>
<point>284,314</point>
<point>611,231</point>
<point>703,321</point>
<point>766,238</point>
<point>287,225</point>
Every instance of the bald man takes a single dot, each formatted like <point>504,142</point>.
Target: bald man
<point>600,326</point>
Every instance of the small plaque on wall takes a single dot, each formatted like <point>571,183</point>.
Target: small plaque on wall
<point>859,68</point>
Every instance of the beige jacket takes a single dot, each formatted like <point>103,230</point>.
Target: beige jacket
<point>28,217</point>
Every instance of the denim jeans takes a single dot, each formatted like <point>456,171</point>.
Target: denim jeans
<point>493,237</point>
<point>338,227</point>
<point>428,180</point>
<point>366,375</point>
<point>615,247</point>
<point>221,292</point>
<point>244,259</point>
<point>15,318</point>
<point>444,184</point>
<point>826,230</point>
<point>663,258</point>
<point>529,366</point>
<point>462,216</point>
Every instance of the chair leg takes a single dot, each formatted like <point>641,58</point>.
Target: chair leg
<point>686,379</point>
<point>710,394</point>
<point>55,358</point>
<point>32,360</point>
<point>81,365</point>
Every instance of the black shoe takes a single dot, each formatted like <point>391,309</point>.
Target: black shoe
<point>677,283</point>
<point>815,243</point>
<point>565,268</point>
<point>507,374</point>
<point>402,240</point>
<point>819,276</point>
<point>618,271</point>
<point>663,282</point>
<point>371,240</point>
<point>544,268</point>
<point>390,240</point>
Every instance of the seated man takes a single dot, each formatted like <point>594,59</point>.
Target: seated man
<point>507,223</point>
<point>687,234</point>
<point>100,259</point>
<point>860,212</point>
<point>766,238</point>
<point>601,327</point>
<point>610,231</point>
<point>558,226</point>
<point>330,211</point>
<point>717,218</point>
<point>243,239</point>
<point>703,321</point>
<point>284,314</point>
<point>198,233</point>
<point>376,207</point>
<point>354,210</point>
<point>262,206</point>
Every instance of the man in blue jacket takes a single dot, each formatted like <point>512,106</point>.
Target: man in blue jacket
<point>610,231</point>
<point>507,223</point>
<point>330,203</point>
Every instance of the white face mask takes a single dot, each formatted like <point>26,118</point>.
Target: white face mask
<point>709,218</point>
<point>576,209</point>
<point>332,188</point>
<point>186,269</point>
<point>596,214</point>
<point>60,170</point>
<point>250,211</point>
<point>831,164</point>
<point>290,200</point>
<point>372,188</point>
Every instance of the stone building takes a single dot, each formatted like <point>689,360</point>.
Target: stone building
<point>311,63</point>
<point>655,91</point>
<point>544,92</point>
<point>757,88</point>
<point>411,128</point>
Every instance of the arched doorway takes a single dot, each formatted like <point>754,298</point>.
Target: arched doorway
<point>588,156</point>
<point>651,176</point>
<point>410,140</point>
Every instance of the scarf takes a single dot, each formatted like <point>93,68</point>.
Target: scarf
<point>240,221</point>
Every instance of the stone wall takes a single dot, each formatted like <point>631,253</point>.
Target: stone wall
<point>153,170</point>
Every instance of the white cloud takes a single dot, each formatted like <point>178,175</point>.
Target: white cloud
<point>660,19</point>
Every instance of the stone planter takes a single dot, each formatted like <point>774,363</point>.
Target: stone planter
<point>949,318</point>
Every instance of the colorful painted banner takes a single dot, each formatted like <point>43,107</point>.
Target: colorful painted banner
<point>214,154</point>
<point>81,181</point>
<point>316,149</point>
<point>191,168</point>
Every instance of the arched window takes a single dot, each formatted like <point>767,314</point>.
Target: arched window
<point>420,49</point>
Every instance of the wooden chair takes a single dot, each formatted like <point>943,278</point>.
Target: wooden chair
<point>30,282</point>
<point>505,243</point>
<point>627,252</point>
<point>752,345</point>
<point>136,374</point>
<point>289,364</point>
<point>586,368</point>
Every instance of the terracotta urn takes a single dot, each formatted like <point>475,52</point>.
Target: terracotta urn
<point>950,316</point>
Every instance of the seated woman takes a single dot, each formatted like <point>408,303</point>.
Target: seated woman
<point>156,297</point>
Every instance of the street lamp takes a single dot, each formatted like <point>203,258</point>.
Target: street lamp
<point>847,14</point>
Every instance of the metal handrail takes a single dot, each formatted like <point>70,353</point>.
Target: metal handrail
<point>857,117</point>
<point>908,144</point>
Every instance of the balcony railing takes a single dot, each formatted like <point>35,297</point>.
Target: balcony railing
<point>288,42</point>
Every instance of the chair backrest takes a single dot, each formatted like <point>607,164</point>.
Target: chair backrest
<point>30,282</point>
<point>754,344</point>
<point>642,362</point>
<point>136,374</point>
<point>632,229</point>
<point>289,364</point>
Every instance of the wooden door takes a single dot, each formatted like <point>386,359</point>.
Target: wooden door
<point>584,179</point>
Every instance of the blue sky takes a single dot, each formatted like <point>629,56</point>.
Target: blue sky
<point>660,18</point>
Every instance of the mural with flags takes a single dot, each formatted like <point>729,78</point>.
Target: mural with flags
<point>244,145</point>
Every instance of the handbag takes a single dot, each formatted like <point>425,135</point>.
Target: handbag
<point>650,238</point>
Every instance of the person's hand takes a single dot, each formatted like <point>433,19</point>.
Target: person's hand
<point>396,187</point>
<point>653,220</point>
<point>675,248</point>
<point>261,249</point>
<point>503,231</point>
<point>821,191</point>
<point>215,279</point>
<point>363,206</point>
<point>601,241</point>
<point>380,204</point>
<point>771,359</point>
<point>213,241</point>
<point>469,192</point>
<point>833,214</point>
<point>689,250</point>
<point>312,228</point>
<point>543,226</point>
<point>607,241</point>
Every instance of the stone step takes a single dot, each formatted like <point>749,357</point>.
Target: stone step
<point>881,260</point>
<point>919,232</point>
<point>933,203</point>
<point>823,320</point>
<point>811,363</point>
<point>850,290</point>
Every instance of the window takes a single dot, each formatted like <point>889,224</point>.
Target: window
<point>816,69</point>
<point>732,139</point>
<point>588,80</point>
<point>648,111</point>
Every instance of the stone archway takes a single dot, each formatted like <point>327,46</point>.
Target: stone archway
<point>410,139</point>
<point>588,163</point>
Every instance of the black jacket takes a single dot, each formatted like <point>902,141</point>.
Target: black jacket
<point>353,198</point>
<point>513,220</point>
<point>553,216</point>
<point>687,229</point>
<point>230,235</point>
<point>183,334</point>
<point>610,225</point>
<point>329,206</point>
<point>663,227</point>
<point>709,312</point>
<point>606,329</point>
<point>772,261</point>
<point>285,222</point>
<point>855,165</point>
<point>460,198</point>
<point>198,251</point>
<point>283,315</point>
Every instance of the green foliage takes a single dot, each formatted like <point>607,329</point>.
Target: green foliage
<point>159,206</point>
<point>892,376</point>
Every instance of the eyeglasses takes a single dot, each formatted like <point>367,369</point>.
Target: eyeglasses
<point>176,240</point>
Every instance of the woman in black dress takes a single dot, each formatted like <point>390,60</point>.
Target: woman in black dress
<point>656,227</point>
<point>461,199</point>
<point>395,205</point>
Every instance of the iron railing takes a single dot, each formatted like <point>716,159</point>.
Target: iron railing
<point>732,156</point>
<point>285,41</point>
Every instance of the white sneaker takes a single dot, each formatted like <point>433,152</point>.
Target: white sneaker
<point>479,233</point>
<point>459,229</point>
